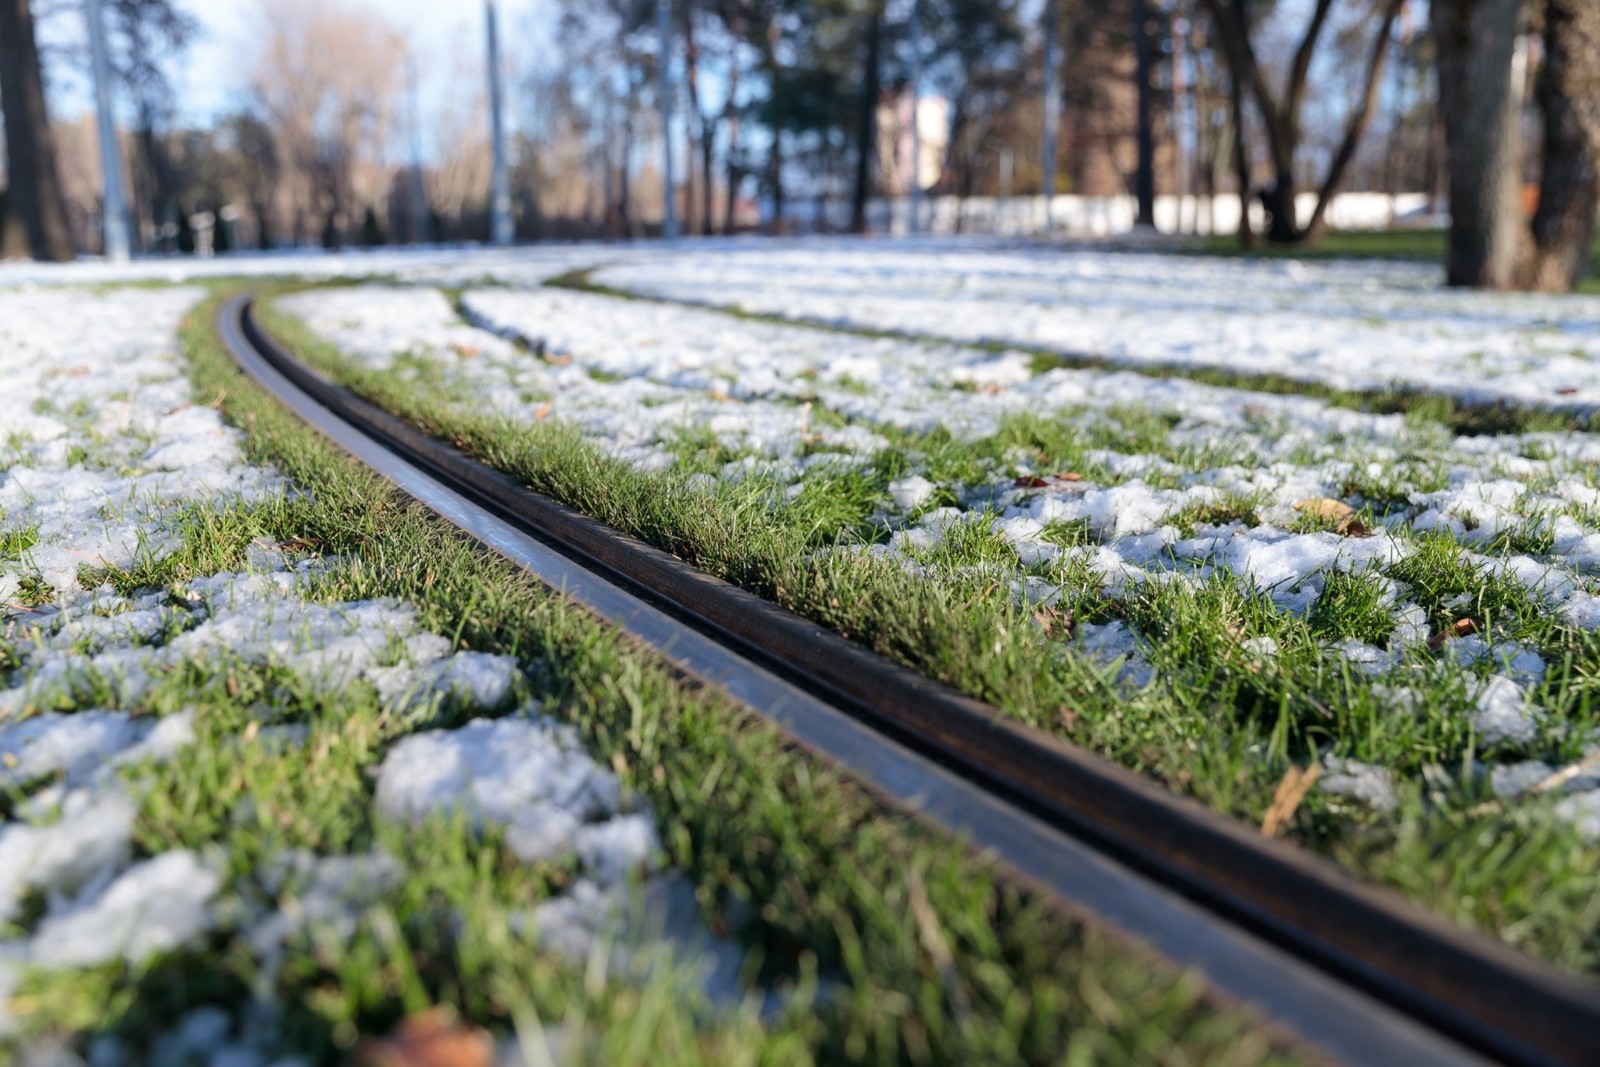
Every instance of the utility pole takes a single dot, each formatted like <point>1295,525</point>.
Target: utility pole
<point>500,186</point>
<point>916,124</point>
<point>113,211</point>
<point>419,190</point>
<point>669,217</point>
<point>1052,113</point>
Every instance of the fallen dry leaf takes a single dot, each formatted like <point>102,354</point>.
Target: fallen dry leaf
<point>1056,622</point>
<point>1034,481</point>
<point>1342,515</point>
<point>1459,628</point>
<point>1286,800</point>
<point>557,359</point>
<point>433,1038</point>
<point>1321,507</point>
<point>542,412</point>
<point>466,351</point>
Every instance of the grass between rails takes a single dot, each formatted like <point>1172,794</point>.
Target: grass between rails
<point>1458,416</point>
<point>923,959</point>
<point>1218,724</point>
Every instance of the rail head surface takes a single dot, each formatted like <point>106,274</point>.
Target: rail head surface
<point>1474,990</point>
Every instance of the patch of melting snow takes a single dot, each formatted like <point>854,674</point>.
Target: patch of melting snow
<point>1503,712</point>
<point>1349,320</point>
<point>1366,782</point>
<point>84,847</point>
<point>530,775</point>
<point>324,894</point>
<point>124,446</point>
<point>912,492</point>
<point>68,834</point>
<point>1115,644</point>
<point>1582,810</point>
<point>154,906</point>
<point>629,375</point>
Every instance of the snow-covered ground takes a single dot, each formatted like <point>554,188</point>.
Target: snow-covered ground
<point>1169,484</point>
<point>634,376</point>
<point>445,265</point>
<point>105,451</point>
<point>1354,325</point>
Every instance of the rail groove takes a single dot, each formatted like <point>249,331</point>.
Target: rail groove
<point>1353,969</point>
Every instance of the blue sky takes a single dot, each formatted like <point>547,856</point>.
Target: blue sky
<point>209,78</point>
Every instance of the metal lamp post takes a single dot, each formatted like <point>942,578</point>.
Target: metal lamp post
<point>669,217</point>
<point>500,185</point>
<point>1052,112</point>
<point>114,210</point>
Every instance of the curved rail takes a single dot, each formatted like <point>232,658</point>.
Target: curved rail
<point>1352,968</point>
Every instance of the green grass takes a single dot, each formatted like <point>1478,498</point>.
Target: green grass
<point>13,543</point>
<point>1426,245</point>
<point>894,945</point>
<point>1214,723</point>
<point>1420,244</point>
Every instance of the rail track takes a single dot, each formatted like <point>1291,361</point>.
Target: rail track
<point>1352,970</point>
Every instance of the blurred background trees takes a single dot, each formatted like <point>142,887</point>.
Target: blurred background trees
<point>797,114</point>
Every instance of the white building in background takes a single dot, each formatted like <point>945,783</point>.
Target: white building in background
<point>895,142</point>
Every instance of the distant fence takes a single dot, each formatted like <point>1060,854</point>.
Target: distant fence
<point>1099,216</point>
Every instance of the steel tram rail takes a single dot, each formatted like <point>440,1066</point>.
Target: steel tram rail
<point>1352,969</point>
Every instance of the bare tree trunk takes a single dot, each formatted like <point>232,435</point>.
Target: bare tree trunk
<point>708,125</point>
<point>690,122</point>
<point>731,110</point>
<point>775,163</point>
<point>1475,39</point>
<point>867,124</point>
<point>35,191</point>
<point>624,222</point>
<point>1241,158</point>
<point>708,144</point>
<point>1144,182</point>
<point>1569,96</point>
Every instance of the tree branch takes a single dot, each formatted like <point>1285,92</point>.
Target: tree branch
<point>1358,119</point>
<point>1294,91</point>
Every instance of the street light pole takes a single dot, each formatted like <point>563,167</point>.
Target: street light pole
<point>114,212</point>
<point>669,218</point>
<point>500,186</point>
<point>1052,112</point>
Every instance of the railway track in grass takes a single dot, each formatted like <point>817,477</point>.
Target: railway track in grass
<point>1352,970</point>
